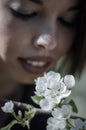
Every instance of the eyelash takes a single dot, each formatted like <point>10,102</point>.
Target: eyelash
<point>67,24</point>
<point>23,16</point>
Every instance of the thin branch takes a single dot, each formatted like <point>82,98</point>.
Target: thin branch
<point>26,107</point>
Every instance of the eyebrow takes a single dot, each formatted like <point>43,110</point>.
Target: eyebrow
<point>40,2</point>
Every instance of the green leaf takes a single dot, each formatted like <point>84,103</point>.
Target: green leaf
<point>10,125</point>
<point>36,99</point>
<point>74,107</point>
<point>29,114</point>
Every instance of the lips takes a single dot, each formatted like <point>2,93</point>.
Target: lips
<point>35,64</point>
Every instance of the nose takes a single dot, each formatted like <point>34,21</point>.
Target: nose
<point>46,38</point>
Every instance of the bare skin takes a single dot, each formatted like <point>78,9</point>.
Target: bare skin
<point>44,33</point>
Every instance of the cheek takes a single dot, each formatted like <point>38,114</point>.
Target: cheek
<point>64,43</point>
<point>5,33</point>
<point>4,40</point>
<point>7,43</point>
<point>12,37</point>
<point>67,40</point>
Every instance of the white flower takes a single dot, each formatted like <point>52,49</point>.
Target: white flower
<point>57,92</point>
<point>46,105</point>
<point>60,91</point>
<point>78,124</point>
<point>52,79</point>
<point>45,82</point>
<point>53,96</point>
<point>55,124</point>
<point>52,89</point>
<point>41,86</point>
<point>52,75</point>
<point>62,113</point>
<point>8,107</point>
<point>69,81</point>
<point>58,119</point>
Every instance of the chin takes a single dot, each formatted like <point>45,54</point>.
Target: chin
<point>24,80</point>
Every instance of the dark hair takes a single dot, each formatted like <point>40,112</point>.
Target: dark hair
<point>77,54</point>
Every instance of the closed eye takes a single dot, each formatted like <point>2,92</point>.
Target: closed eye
<point>23,16</point>
<point>65,23</point>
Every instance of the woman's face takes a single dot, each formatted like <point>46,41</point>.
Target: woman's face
<point>34,35</point>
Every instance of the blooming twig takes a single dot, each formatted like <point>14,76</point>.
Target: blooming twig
<point>50,94</point>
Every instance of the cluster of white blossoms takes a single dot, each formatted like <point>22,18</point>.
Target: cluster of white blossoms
<point>52,89</point>
<point>50,94</point>
<point>59,117</point>
<point>79,125</point>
